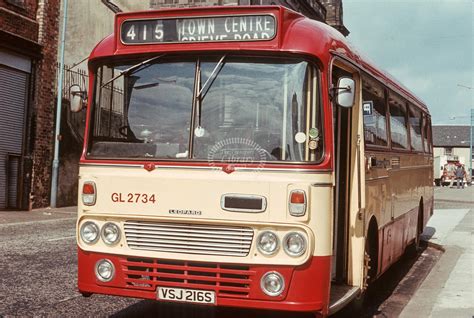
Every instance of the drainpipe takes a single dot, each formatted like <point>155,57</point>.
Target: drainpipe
<point>54,182</point>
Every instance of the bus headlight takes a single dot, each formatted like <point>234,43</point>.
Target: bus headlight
<point>272,284</point>
<point>104,270</point>
<point>267,242</point>
<point>294,244</point>
<point>110,233</point>
<point>89,232</point>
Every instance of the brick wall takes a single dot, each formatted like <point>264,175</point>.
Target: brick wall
<point>44,101</point>
<point>26,8</point>
<point>19,20</point>
<point>31,29</point>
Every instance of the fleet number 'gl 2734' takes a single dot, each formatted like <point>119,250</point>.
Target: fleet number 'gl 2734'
<point>133,198</point>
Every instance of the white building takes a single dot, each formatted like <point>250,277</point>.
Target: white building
<point>452,140</point>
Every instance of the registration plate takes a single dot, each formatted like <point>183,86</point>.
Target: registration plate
<point>187,295</point>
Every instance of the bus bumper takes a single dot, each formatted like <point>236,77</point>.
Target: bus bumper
<point>307,286</point>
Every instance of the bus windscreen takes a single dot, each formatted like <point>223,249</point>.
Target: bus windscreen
<point>232,109</point>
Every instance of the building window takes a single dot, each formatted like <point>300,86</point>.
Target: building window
<point>18,3</point>
<point>448,151</point>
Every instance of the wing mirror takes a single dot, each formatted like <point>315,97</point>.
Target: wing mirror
<point>77,98</point>
<point>345,92</point>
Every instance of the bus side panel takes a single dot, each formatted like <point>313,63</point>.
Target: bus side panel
<point>396,236</point>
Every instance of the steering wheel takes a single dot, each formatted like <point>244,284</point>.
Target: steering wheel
<point>267,153</point>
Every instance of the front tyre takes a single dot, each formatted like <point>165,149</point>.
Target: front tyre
<point>413,248</point>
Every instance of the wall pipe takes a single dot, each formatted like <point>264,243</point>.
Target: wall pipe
<point>57,135</point>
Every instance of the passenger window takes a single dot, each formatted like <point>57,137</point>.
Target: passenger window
<point>398,122</point>
<point>415,129</point>
<point>375,112</point>
<point>427,134</point>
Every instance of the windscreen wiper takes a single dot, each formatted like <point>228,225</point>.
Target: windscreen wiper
<point>132,68</point>
<point>207,85</point>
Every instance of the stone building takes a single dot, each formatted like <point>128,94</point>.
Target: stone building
<point>91,21</point>
<point>329,11</point>
<point>334,15</point>
<point>28,50</point>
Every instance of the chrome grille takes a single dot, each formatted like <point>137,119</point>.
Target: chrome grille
<point>188,238</point>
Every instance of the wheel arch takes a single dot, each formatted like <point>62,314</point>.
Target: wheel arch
<point>421,216</point>
<point>372,247</point>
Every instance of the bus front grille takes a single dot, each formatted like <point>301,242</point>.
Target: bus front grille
<point>226,280</point>
<point>189,238</point>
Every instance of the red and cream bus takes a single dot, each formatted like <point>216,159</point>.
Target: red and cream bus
<point>245,157</point>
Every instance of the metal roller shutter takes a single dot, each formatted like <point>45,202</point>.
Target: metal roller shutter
<point>13,99</point>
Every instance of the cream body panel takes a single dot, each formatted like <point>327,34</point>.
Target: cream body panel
<point>357,212</point>
<point>378,189</point>
<point>409,182</point>
<point>201,190</point>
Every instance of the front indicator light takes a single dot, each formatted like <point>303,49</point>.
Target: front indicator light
<point>297,205</point>
<point>268,243</point>
<point>294,244</point>
<point>89,232</point>
<point>89,193</point>
<point>272,284</point>
<point>110,233</point>
<point>104,270</point>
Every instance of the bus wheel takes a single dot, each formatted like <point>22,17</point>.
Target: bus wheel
<point>413,248</point>
<point>370,270</point>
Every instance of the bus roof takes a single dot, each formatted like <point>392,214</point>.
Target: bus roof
<point>295,34</point>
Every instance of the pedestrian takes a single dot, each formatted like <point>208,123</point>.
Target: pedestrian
<point>459,174</point>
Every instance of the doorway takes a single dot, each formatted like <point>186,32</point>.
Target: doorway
<point>342,150</point>
<point>14,89</point>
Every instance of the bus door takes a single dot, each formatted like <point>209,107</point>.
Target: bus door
<point>346,149</point>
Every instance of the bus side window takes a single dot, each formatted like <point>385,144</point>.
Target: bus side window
<point>426,134</point>
<point>415,129</point>
<point>398,121</point>
<point>375,112</point>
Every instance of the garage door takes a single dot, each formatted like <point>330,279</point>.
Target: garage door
<point>13,101</point>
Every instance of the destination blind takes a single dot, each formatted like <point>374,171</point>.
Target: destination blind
<point>211,29</point>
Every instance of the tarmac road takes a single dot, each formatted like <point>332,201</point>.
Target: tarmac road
<point>38,273</point>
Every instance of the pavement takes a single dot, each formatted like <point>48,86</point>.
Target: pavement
<point>448,290</point>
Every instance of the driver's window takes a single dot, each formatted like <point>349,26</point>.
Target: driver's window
<point>146,112</point>
<point>160,104</point>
